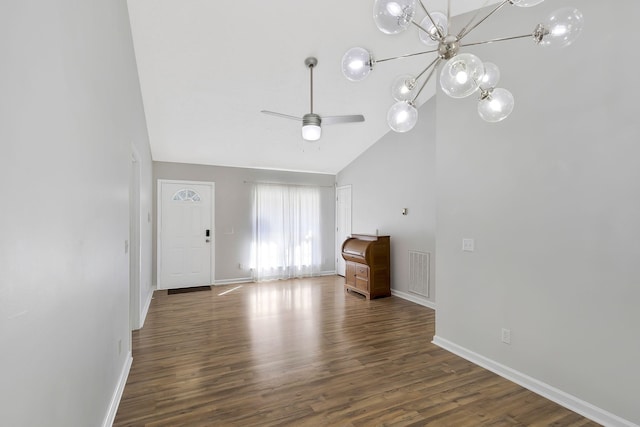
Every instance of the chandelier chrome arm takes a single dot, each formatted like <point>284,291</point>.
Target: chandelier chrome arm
<point>475,15</point>
<point>421,27</point>
<point>435,66</point>
<point>423,7</point>
<point>463,33</point>
<point>502,39</point>
<point>406,56</point>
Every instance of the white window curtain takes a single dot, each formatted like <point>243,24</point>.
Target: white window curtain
<point>286,232</point>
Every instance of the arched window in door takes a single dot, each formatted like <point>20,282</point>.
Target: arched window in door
<point>186,195</point>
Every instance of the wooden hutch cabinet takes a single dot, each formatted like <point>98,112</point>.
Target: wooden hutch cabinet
<point>367,265</point>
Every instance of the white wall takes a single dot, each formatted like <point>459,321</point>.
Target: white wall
<point>552,198</point>
<point>69,114</point>
<point>233,227</point>
<point>140,145</point>
<point>398,172</point>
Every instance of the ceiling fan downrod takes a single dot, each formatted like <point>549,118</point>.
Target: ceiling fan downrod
<point>311,62</point>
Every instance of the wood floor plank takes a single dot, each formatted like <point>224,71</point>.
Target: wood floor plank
<point>305,353</point>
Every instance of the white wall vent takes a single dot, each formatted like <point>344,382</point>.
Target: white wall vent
<point>419,263</point>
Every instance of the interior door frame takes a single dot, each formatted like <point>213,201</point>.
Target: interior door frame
<point>350,222</point>
<point>159,225</point>
<point>135,240</point>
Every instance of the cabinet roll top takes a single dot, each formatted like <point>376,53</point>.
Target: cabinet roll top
<point>356,250</point>
<point>364,249</point>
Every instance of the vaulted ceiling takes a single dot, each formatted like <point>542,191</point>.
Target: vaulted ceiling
<point>208,67</point>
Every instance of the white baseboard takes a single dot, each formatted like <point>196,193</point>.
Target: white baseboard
<point>413,298</point>
<point>558,396</point>
<point>250,279</point>
<point>117,394</point>
<point>328,273</point>
<point>233,281</point>
<point>145,309</point>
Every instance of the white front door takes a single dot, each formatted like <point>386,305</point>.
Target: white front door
<point>185,234</point>
<point>343,224</point>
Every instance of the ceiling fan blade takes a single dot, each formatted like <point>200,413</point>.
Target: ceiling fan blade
<point>330,120</point>
<point>284,116</point>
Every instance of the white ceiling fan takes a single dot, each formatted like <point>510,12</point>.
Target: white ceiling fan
<point>311,129</point>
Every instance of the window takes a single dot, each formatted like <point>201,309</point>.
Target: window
<point>186,195</point>
<point>286,231</point>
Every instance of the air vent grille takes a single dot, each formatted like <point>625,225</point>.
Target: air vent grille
<point>419,263</point>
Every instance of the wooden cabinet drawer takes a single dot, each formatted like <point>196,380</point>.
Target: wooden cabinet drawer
<point>362,284</point>
<point>362,271</point>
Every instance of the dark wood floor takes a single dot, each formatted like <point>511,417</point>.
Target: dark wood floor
<point>304,353</point>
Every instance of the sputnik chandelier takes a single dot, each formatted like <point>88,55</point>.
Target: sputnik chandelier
<point>461,74</point>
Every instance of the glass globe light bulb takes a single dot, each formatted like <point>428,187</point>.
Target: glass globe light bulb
<point>357,64</point>
<point>495,105</point>
<point>561,28</point>
<point>432,38</point>
<point>403,87</point>
<point>526,3</point>
<point>402,116</point>
<point>461,75</point>
<point>393,16</point>
<point>491,76</point>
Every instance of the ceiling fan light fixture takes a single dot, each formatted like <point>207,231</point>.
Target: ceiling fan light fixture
<point>311,122</point>
<point>311,130</point>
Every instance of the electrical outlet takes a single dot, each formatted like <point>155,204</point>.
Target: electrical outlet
<point>506,336</point>
<point>468,245</point>
<point>240,266</point>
